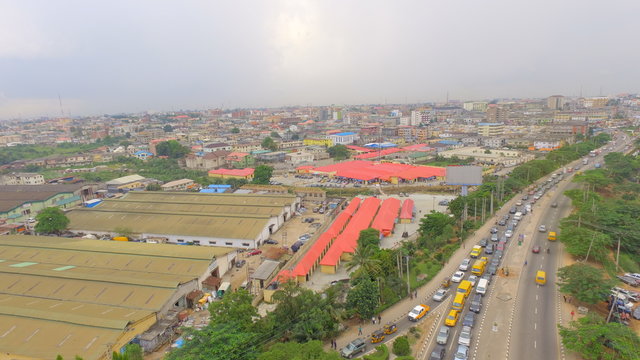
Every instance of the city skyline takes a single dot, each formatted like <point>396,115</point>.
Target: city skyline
<point>147,56</point>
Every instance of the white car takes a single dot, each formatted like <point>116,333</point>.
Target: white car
<point>457,277</point>
<point>508,233</point>
<point>465,336</point>
<point>542,228</point>
<point>473,279</point>
<point>464,266</point>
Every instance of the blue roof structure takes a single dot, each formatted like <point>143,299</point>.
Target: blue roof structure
<point>485,123</point>
<point>344,133</point>
<point>449,142</point>
<point>384,145</point>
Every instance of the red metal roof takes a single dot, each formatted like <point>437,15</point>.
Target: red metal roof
<point>233,172</point>
<point>407,209</point>
<point>387,215</point>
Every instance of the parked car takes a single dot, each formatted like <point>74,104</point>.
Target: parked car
<point>271,241</point>
<point>353,348</point>
<point>443,335</point>
<point>254,252</point>
<point>240,263</point>
<point>296,246</point>
<point>440,295</point>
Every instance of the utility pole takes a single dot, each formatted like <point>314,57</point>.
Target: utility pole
<point>590,244</point>
<point>618,253</point>
<point>491,207</point>
<point>484,202</point>
<point>408,283</point>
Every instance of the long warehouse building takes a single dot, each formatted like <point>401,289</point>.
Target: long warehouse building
<point>228,220</point>
<point>88,298</point>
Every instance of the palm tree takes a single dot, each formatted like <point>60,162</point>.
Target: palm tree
<point>364,263</point>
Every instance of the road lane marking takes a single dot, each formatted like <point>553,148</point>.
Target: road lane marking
<point>536,311</point>
<point>536,297</point>
<point>453,337</point>
<point>535,344</point>
<point>535,326</point>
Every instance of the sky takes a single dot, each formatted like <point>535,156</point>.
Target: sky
<point>106,57</point>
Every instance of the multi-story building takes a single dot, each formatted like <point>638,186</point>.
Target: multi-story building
<point>475,106</point>
<point>496,114</point>
<point>178,185</point>
<point>207,161</point>
<point>420,117</point>
<point>490,129</point>
<point>493,142</point>
<point>318,142</point>
<point>568,128</point>
<point>290,144</point>
<point>555,102</point>
<point>22,179</point>
<point>299,158</point>
<point>216,147</point>
<point>595,102</point>
<point>343,138</point>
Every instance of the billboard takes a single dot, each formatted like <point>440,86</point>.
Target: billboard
<point>464,175</point>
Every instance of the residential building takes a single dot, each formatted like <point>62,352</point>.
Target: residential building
<point>420,117</point>
<point>22,179</point>
<point>274,156</point>
<point>240,159</point>
<point>143,155</point>
<point>246,173</point>
<point>496,114</point>
<point>547,145</point>
<point>343,138</point>
<point>318,142</point>
<point>595,102</point>
<point>568,128</point>
<point>207,161</point>
<point>299,158</point>
<point>493,142</point>
<point>290,144</point>
<point>490,129</point>
<point>480,106</point>
<point>555,102</point>
<point>179,185</point>
<point>246,147</point>
<point>212,147</point>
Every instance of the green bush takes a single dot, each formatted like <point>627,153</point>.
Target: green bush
<point>401,346</point>
<point>405,358</point>
<point>628,264</point>
<point>382,353</point>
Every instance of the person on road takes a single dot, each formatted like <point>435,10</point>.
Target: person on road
<point>525,263</point>
<point>548,250</point>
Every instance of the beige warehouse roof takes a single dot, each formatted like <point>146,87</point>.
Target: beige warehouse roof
<point>81,296</point>
<point>225,216</point>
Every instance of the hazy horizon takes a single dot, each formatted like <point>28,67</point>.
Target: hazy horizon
<point>123,57</point>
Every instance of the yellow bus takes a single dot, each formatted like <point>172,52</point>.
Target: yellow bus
<point>464,287</point>
<point>478,267</point>
<point>541,277</point>
<point>552,236</point>
<point>458,302</point>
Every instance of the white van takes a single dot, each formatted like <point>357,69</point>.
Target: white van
<point>517,216</point>
<point>482,286</point>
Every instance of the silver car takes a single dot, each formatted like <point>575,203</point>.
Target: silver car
<point>465,336</point>
<point>443,335</point>
<point>440,294</point>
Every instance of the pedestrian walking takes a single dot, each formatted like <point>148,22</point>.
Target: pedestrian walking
<point>565,298</point>
<point>373,320</point>
<point>379,319</point>
<point>415,294</point>
<point>360,330</point>
<point>572,314</point>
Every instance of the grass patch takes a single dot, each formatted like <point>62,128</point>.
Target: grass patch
<point>628,263</point>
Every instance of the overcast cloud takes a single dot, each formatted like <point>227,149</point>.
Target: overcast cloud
<point>136,55</point>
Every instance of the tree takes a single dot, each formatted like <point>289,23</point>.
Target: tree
<point>369,237</point>
<point>339,152</point>
<point>154,187</point>
<point>311,350</point>
<point>235,307</point>
<point>362,299</point>
<point>363,259</point>
<point>235,130</point>
<point>217,342</point>
<point>172,149</point>
<point>401,346</point>
<point>434,223</point>
<point>269,144</point>
<point>167,128</point>
<point>275,135</point>
<point>262,174</point>
<point>131,352</point>
<point>590,337</point>
<point>584,282</point>
<point>51,220</point>
<point>597,178</point>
